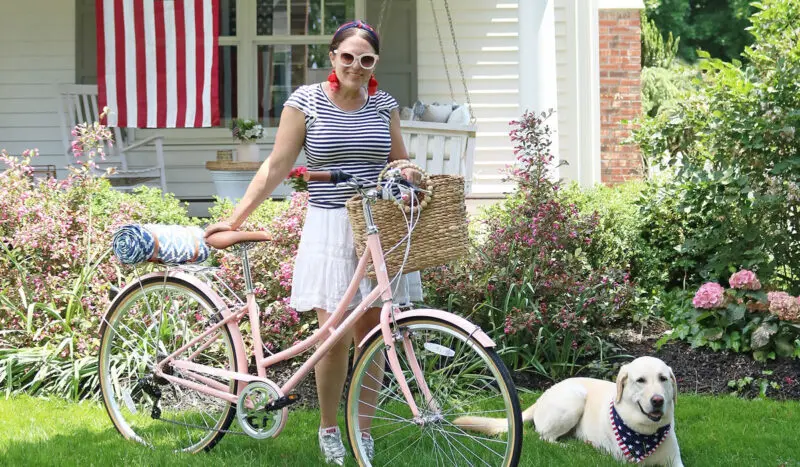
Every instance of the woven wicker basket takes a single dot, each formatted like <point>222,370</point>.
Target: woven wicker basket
<point>441,234</point>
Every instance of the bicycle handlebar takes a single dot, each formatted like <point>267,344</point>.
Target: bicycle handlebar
<point>334,176</point>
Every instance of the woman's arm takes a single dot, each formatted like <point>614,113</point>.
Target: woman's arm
<point>288,143</point>
<point>398,151</point>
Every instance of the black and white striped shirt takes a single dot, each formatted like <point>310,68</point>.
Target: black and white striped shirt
<point>357,142</point>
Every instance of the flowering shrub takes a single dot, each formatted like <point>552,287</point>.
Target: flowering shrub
<point>743,319</point>
<point>90,141</point>
<point>56,271</point>
<point>272,265</point>
<point>529,281</point>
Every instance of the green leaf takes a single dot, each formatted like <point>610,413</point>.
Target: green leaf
<point>761,336</point>
<point>713,334</point>
<point>735,312</point>
<point>784,347</point>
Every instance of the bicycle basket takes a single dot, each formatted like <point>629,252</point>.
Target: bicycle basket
<point>440,236</point>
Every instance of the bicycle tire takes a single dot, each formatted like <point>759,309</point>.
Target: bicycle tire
<point>446,440</point>
<point>120,403</point>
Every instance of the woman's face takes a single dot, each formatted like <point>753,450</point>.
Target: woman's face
<point>352,77</point>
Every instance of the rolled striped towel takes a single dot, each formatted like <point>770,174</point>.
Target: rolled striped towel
<point>171,244</point>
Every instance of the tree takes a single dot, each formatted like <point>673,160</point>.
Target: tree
<point>716,26</point>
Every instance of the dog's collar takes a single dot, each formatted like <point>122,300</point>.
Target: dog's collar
<point>635,446</point>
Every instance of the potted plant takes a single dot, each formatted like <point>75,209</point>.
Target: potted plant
<point>246,132</point>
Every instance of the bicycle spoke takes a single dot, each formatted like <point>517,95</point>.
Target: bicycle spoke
<point>463,378</point>
<point>461,432</point>
<point>151,322</point>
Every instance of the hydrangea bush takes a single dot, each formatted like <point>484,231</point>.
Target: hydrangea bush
<point>743,318</point>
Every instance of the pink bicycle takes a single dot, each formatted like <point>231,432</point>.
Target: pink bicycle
<point>174,371</point>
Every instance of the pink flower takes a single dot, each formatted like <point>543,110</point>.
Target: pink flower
<point>745,280</point>
<point>784,306</point>
<point>709,296</point>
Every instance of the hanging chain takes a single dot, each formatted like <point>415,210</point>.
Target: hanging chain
<point>441,48</point>
<point>460,65</point>
<point>381,16</point>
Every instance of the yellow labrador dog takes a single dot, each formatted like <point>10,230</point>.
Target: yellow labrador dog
<point>632,420</point>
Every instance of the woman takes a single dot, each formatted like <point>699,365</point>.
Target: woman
<point>344,123</point>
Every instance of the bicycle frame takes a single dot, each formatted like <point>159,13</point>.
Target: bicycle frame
<point>326,336</point>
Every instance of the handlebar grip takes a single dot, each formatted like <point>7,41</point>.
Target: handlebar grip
<point>334,176</point>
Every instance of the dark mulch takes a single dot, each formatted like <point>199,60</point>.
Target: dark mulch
<point>705,371</point>
<point>698,370</point>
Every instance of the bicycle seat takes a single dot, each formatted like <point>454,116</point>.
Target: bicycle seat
<point>222,240</point>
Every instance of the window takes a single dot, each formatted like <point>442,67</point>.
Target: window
<point>270,47</point>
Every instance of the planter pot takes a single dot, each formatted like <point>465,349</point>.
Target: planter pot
<point>247,152</point>
<point>231,179</point>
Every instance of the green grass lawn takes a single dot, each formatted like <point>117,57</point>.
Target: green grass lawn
<point>722,431</point>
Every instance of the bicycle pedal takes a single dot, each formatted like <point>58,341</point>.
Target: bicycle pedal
<point>282,402</point>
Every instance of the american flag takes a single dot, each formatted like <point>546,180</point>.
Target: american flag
<point>157,62</point>
<point>636,446</point>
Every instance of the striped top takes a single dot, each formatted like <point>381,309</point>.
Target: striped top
<point>357,142</point>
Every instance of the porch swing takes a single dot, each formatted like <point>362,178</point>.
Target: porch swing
<point>441,148</point>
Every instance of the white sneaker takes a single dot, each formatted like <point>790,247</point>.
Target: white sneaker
<point>330,443</point>
<point>369,444</point>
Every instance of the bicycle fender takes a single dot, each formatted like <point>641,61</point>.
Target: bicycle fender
<point>448,317</point>
<point>216,301</point>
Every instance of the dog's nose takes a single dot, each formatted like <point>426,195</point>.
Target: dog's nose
<point>657,401</point>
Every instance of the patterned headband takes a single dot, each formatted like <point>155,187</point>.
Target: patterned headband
<point>360,25</point>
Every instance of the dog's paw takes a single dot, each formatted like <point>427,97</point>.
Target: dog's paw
<point>551,440</point>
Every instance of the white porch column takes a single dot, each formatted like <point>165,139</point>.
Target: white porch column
<point>537,61</point>
<point>588,54</point>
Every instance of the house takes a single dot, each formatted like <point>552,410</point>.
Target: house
<point>580,57</point>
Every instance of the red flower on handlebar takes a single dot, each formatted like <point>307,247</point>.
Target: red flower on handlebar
<point>298,178</point>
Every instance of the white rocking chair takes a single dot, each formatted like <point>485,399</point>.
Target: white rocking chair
<point>78,104</point>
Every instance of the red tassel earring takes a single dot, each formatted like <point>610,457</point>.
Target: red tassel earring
<point>334,81</point>
<point>372,86</point>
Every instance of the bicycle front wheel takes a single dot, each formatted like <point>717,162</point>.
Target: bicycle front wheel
<point>463,377</point>
<point>150,322</point>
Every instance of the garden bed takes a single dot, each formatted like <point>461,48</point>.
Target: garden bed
<point>700,370</point>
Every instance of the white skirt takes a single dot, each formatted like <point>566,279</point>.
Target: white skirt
<point>326,261</point>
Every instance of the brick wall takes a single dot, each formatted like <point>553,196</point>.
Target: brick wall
<point>620,93</point>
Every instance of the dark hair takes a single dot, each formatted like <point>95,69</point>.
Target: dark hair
<point>354,28</point>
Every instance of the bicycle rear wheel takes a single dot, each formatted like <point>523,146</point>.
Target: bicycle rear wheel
<point>464,378</point>
<point>148,323</point>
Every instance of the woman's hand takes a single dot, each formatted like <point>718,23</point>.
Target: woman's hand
<point>223,226</point>
<point>413,176</point>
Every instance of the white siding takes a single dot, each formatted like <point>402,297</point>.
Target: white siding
<point>38,53</point>
<point>487,35</point>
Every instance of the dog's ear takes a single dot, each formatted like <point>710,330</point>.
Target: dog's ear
<point>674,386</point>
<point>622,378</point>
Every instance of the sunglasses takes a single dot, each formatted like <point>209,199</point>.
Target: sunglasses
<point>367,60</point>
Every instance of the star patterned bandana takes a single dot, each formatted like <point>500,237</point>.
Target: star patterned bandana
<point>636,446</point>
